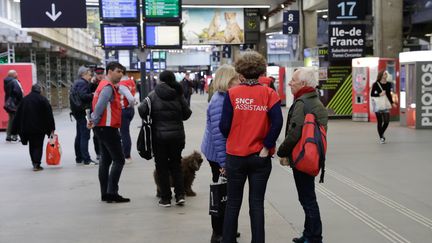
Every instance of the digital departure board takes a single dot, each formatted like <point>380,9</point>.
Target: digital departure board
<point>156,10</point>
<point>162,36</point>
<point>119,10</point>
<point>120,36</point>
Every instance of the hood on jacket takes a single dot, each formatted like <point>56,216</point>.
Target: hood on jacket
<point>7,81</point>
<point>165,92</point>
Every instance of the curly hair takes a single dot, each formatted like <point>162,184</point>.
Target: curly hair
<point>251,65</point>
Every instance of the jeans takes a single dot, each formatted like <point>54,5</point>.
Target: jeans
<point>111,156</point>
<point>127,116</point>
<point>9,126</point>
<point>36,147</point>
<point>257,171</point>
<point>96,145</point>
<point>168,159</point>
<point>217,222</point>
<point>383,120</point>
<point>305,185</point>
<point>81,140</point>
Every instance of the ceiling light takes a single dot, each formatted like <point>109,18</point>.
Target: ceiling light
<point>325,16</point>
<point>225,6</point>
<point>322,11</point>
<point>265,17</point>
<point>282,5</point>
<point>430,34</point>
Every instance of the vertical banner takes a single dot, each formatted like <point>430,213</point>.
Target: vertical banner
<point>424,95</point>
<point>291,22</point>
<point>336,90</point>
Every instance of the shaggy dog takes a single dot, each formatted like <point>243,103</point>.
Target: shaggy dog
<point>189,165</point>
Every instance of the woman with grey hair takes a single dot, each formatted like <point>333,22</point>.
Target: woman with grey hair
<point>306,100</point>
<point>34,119</point>
<point>251,121</point>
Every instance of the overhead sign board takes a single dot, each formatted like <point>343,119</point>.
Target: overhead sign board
<point>340,10</point>
<point>119,10</point>
<point>291,22</point>
<point>346,41</point>
<point>120,36</point>
<point>155,10</point>
<point>53,14</point>
<point>162,36</point>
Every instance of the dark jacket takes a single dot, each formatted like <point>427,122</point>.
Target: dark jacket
<point>12,89</point>
<point>387,87</point>
<point>187,87</point>
<point>296,116</point>
<point>34,116</point>
<point>168,111</point>
<point>82,88</point>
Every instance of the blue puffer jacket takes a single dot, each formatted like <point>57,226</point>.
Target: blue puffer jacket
<point>214,144</point>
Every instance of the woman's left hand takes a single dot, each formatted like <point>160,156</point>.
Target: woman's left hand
<point>264,152</point>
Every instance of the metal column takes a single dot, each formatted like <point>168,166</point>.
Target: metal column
<point>48,76</point>
<point>59,83</point>
<point>33,56</point>
<point>11,53</point>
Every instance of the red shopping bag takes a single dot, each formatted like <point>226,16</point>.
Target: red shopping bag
<point>53,151</point>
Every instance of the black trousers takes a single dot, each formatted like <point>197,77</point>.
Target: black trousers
<point>217,222</point>
<point>112,159</point>
<point>36,142</point>
<point>168,159</point>
<point>383,120</point>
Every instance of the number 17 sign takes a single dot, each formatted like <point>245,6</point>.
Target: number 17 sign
<point>340,10</point>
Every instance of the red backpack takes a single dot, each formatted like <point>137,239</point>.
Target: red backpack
<point>309,153</point>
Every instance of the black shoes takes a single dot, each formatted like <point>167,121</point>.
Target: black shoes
<point>299,240</point>
<point>165,203</point>
<point>37,167</point>
<point>215,238</point>
<point>180,201</point>
<point>114,198</point>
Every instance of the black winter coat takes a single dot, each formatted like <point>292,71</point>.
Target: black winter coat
<point>34,116</point>
<point>12,89</point>
<point>168,111</point>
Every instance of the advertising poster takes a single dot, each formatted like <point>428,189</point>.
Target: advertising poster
<point>213,26</point>
<point>337,91</point>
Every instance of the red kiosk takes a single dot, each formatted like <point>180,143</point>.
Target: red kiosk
<point>364,74</point>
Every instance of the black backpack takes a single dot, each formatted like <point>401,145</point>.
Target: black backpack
<point>75,101</point>
<point>144,141</point>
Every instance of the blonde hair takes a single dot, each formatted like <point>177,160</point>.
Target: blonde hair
<point>224,75</point>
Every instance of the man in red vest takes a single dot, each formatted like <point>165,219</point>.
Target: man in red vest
<point>106,121</point>
<point>127,90</point>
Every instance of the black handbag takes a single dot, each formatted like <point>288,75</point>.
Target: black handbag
<point>144,142</point>
<point>218,197</point>
<point>10,105</point>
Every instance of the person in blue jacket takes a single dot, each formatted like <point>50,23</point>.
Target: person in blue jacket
<point>214,143</point>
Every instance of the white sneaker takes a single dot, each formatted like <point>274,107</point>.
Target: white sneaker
<point>128,161</point>
<point>382,140</point>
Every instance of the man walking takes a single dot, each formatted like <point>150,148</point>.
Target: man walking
<point>106,121</point>
<point>80,100</point>
<point>187,84</point>
<point>13,96</point>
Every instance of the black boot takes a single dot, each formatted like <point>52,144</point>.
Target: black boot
<point>299,239</point>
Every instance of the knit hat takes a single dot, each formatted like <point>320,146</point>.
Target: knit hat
<point>167,77</point>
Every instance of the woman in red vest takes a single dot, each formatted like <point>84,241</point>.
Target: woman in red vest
<point>127,90</point>
<point>251,120</point>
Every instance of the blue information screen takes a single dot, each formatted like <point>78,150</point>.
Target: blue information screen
<point>162,35</point>
<point>119,9</point>
<point>121,36</point>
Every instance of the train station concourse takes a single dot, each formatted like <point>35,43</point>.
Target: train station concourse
<point>193,121</point>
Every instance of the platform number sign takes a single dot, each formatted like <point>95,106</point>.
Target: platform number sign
<point>291,22</point>
<point>340,10</point>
